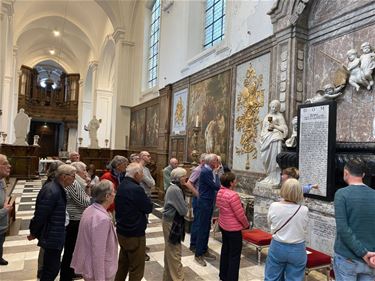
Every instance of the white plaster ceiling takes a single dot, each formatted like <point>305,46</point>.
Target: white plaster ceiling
<point>83,25</point>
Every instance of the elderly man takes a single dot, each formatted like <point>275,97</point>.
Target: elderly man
<point>48,223</point>
<point>74,156</point>
<point>194,181</point>
<point>132,205</point>
<point>77,202</point>
<point>355,227</point>
<point>5,208</point>
<point>148,181</point>
<point>209,184</point>
<point>173,163</point>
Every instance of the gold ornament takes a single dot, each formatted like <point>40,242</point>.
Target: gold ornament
<point>249,102</point>
<point>179,113</point>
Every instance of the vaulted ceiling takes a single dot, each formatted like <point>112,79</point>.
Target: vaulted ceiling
<point>83,26</point>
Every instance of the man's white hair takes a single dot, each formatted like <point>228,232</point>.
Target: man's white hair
<point>80,166</point>
<point>133,168</point>
<point>65,169</point>
<point>210,158</point>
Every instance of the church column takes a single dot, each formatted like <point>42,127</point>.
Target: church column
<point>80,108</point>
<point>122,96</point>
<point>6,66</point>
<point>94,68</point>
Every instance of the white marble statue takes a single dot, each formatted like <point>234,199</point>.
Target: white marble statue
<point>357,76</point>
<point>21,127</point>
<point>274,131</point>
<point>292,141</point>
<point>36,140</point>
<point>92,128</point>
<point>367,63</point>
<point>329,92</point>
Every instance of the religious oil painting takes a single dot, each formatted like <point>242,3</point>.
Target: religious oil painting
<point>209,109</point>
<point>152,125</point>
<point>179,112</point>
<point>251,101</point>
<point>137,127</point>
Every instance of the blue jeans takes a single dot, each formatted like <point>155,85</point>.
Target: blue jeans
<point>194,225</point>
<point>204,225</point>
<point>285,262</point>
<point>352,270</point>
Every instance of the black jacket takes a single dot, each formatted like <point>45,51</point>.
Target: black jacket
<point>48,223</point>
<point>131,205</point>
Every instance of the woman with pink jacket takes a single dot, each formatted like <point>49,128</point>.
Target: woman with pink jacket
<point>232,220</point>
<point>95,254</point>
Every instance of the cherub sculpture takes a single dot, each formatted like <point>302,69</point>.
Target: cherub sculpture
<point>357,75</point>
<point>367,60</point>
<point>329,92</point>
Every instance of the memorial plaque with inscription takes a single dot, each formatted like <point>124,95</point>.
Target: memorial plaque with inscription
<point>316,148</point>
<point>321,233</point>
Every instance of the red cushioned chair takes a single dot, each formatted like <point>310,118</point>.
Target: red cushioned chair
<point>318,260</point>
<point>257,238</point>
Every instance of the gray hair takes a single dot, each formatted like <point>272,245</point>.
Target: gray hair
<point>133,157</point>
<point>52,169</point>
<point>134,168</point>
<point>118,160</point>
<point>210,158</point>
<point>177,173</point>
<point>100,191</point>
<point>203,156</point>
<point>65,169</point>
<point>80,166</point>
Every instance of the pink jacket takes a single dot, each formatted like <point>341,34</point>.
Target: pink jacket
<point>95,253</point>
<point>231,213</point>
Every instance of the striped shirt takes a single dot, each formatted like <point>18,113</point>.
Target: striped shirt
<point>77,199</point>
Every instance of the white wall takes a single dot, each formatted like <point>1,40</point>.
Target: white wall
<point>181,40</point>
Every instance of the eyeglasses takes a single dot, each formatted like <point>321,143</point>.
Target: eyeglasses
<point>72,175</point>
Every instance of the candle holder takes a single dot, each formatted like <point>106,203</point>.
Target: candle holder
<point>4,135</point>
<point>80,141</point>
<point>195,153</point>
<point>106,141</point>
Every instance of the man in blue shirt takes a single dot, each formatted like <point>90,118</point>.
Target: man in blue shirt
<point>355,227</point>
<point>209,184</point>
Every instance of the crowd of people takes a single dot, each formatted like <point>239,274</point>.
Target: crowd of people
<point>88,219</point>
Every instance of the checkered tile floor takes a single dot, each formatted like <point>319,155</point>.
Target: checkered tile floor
<point>22,254</point>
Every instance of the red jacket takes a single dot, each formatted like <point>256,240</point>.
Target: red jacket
<point>109,176</point>
<point>231,213</point>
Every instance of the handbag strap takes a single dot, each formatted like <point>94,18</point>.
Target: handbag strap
<point>288,220</point>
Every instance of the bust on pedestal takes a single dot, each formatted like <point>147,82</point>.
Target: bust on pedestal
<point>21,127</point>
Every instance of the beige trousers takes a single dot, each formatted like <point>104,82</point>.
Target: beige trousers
<point>173,270</point>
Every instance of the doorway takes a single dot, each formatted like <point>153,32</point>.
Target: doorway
<point>48,133</point>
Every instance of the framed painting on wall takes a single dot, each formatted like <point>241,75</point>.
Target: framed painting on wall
<point>179,112</point>
<point>209,108</point>
<point>137,127</point>
<point>152,125</point>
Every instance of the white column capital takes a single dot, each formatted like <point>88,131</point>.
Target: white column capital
<point>118,35</point>
<point>94,64</point>
<point>7,8</point>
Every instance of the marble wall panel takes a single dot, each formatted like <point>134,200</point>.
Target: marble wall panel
<point>355,110</point>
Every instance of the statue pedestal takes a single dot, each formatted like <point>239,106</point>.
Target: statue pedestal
<point>24,160</point>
